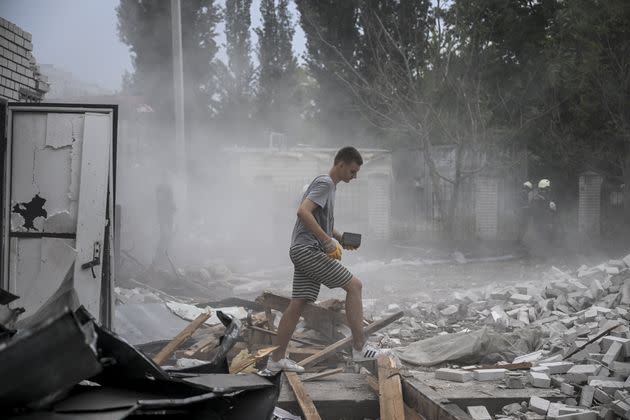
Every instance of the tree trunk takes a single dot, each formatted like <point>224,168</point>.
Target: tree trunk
<point>452,207</point>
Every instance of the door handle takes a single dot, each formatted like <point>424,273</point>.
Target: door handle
<point>96,259</point>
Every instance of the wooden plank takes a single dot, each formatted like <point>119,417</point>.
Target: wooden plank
<point>297,340</point>
<point>390,389</point>
<point>304,400</point>
<point>410,413</point>
<point>320,319</point>
<point>244,364</point>
<point>341,344</point>
<point>201,345</point>
<point>322,374</point>
<point>170,348</point>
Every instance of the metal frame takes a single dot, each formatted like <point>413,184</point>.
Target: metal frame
<point>6,182</point>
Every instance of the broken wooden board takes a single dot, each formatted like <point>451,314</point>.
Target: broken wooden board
<point>346,342</point>
<point>390,390</point>
<point>170,348</point>
<point>410,414</point>
<point>303,398</point>
<point>346,393</point>
<point>320,319</point>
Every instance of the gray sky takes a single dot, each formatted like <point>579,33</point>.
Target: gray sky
<point>80,36</point>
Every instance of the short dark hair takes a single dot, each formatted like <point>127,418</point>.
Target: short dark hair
<point>348,154</point>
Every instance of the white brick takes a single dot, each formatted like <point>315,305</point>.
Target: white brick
<point>556,368</point>
<point>613,353</point>
<point>579,374</point>
<point>489,374</point>
<point>454,375</point>
<point>478,412</point>
<point>567,389</point>
<point>540,380</point>
<point>586,396</point>
<point>539,405</point>
<point>607,385</point>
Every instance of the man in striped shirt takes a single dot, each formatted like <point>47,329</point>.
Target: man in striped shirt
<point>316,253</point>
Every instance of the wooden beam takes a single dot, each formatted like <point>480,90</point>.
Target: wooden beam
<point>322,374</point>
<point>302,397</point>
<point>244,364</point>
<point>170,348</point>
<point>346,342</point>
<point>410,413</point>
<point>201,345</point>
<point>390,390</point>
<point>320,319</point>
<point>297,340</point>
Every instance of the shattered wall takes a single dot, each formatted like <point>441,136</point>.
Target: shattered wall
<point>20,77</point>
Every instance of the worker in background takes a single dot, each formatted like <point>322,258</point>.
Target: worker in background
<point>524,212</point>
<point>316,253</point>
<point>544,211</point>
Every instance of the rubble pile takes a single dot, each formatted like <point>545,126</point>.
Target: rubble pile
<point>582,348</point>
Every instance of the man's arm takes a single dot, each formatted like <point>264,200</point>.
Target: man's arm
<point>337,235</point>
<point>305,213</point>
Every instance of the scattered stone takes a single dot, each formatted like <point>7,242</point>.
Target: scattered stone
<point>453,375</point>
<point>567,389</point>
<point>556,368</point>
<point>613,353</point>
<point>586,396</point>
<point>539,405</point>
<point>489,374</point>
<point>478,412</point>
<point>449,310</point>
<point>607,385</point>
<point>579,374</point>
<point>540,380</point>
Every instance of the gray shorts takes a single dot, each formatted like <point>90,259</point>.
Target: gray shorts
<point>312,268</point>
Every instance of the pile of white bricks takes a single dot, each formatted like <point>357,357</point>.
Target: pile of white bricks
<point>586,351</point>
<point>20,78</point>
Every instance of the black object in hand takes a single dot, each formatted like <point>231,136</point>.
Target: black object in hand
<point>351,239</point>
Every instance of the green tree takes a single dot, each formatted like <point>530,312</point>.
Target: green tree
<point>237,79</point>
<point>331,29</point>
<point>588,56</point>
<point>277,79</point>
<point>145,27</point>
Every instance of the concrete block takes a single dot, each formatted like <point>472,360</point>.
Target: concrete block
<point>530,357</point>
<point>607,385</point>
<point>520,298</point>
<point>514,380</point>
<point>540,369</point>
<point>601,396</point>
<point>539,405</point>
<point>613,353</point>
<point>621,408</point>
<point>540,380</point>
<point>586,396</point>
<point>488,374</point>
<point>478,412</point>
<point>556,368</point>
<point>567,389</point>
<point>454,375</point>
<point>607,341</point>
<point>579,374</point>
<point>569,413</point>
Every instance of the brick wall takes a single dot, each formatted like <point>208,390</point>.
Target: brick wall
<point>20,78</point>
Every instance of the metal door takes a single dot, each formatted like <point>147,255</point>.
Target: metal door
<point>58,199</point>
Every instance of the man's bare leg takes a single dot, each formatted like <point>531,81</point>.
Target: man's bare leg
<point>286,327</point>
<point>354,312</point>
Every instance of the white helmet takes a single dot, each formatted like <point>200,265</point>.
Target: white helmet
<point>544,183</point>
<point>527,184</point>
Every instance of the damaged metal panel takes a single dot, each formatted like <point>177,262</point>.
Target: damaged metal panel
<point>41,262</point>
<point>35,362</point>
<point>47,162</point>
<point>92,211</point>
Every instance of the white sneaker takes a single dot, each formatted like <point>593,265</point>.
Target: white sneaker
<point>369,352</point>
<point>287,365</point>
